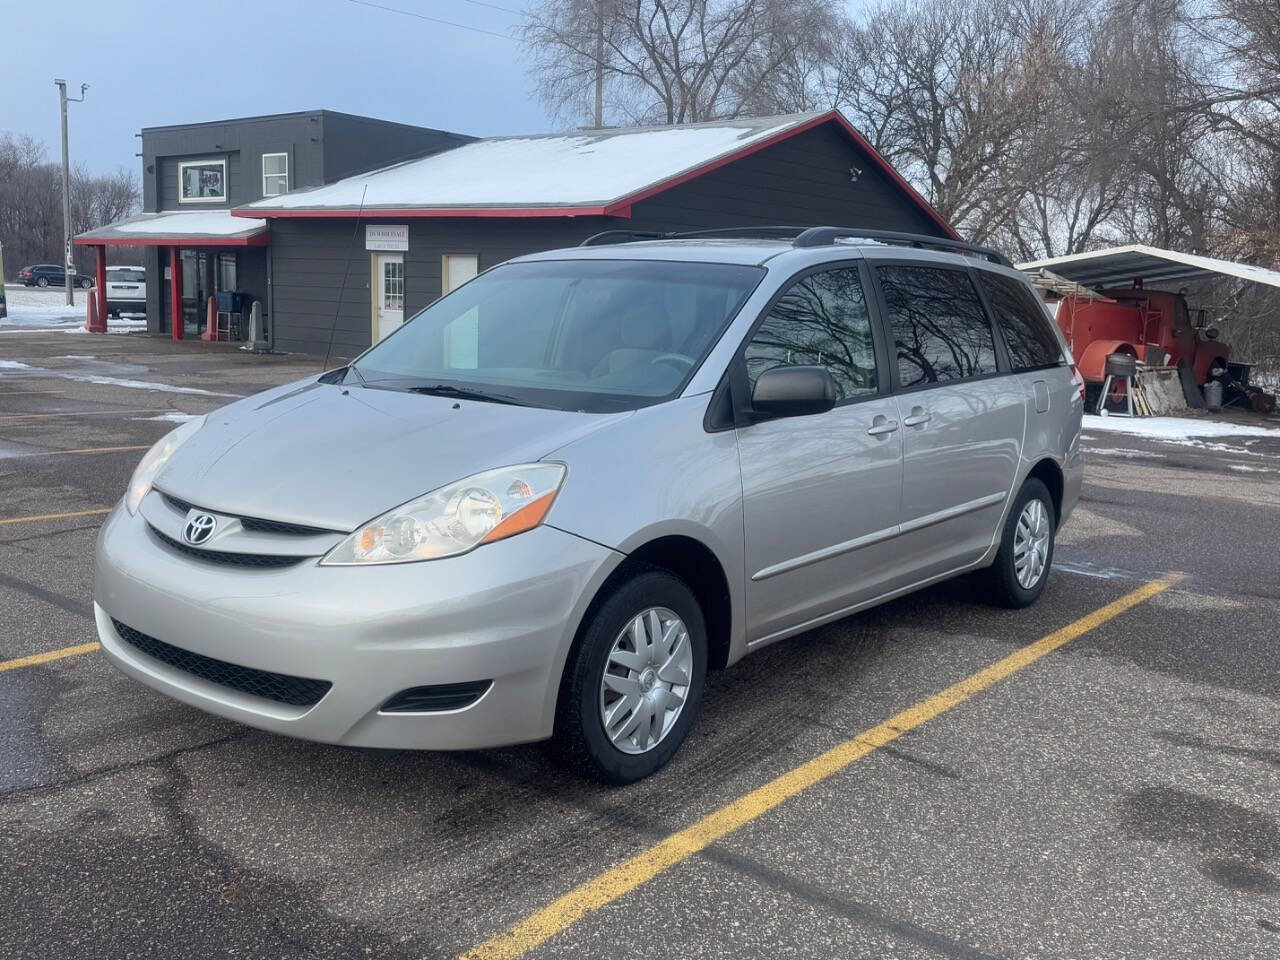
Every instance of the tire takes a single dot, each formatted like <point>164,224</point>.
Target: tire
<point>86,284</point>
<point>1004,585</point>
<point>580,722</point>
<point>42,282</point>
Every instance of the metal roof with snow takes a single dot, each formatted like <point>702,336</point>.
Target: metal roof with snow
<point>585,173</point>
<point>202,228</point>
<point>1120,266</point>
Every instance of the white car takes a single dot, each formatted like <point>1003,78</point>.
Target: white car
<point>126,290</point>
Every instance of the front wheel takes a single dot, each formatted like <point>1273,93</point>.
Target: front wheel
<point>42,282</point>
<point>1021,569</point>
<point>86,284</point>
<point>633,682</point>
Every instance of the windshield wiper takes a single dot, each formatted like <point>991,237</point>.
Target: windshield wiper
<point>466,393</point>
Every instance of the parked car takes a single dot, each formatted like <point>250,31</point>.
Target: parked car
<point>554,499</point>
<point>50,275</point>
<point>126,290</point>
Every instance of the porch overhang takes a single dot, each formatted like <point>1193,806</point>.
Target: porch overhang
<point>205,228</point>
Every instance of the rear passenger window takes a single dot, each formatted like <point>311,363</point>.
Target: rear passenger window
<point>822,320</point>
<point>940,331</point>
<point>1023,322</point>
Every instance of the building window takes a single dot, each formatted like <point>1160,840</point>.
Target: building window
<point>275,174</point>
<point>202,181</point>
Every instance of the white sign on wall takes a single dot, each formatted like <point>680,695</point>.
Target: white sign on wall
<point>383,236</point>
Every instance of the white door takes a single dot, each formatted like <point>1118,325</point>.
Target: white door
<point>462,336</point>
<point>388,298</point>
<point>456,269</point>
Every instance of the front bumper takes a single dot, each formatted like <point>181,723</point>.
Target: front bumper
<point>506,612</point>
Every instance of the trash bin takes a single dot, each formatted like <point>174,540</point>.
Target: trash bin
<point>1213,395</point>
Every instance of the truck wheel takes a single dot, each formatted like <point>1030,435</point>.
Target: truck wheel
<point>633,683</point>
<point>1021,569</point>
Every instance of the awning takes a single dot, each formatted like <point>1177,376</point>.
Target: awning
<point>204,228</point>
<point>1120,266</point>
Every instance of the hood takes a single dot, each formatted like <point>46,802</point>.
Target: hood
<point>329,456</point>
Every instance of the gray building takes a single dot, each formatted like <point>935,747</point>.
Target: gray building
<point>194,174</point>
<point>340,258</point>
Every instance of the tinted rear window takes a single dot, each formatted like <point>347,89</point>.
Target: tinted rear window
<point>940,330</point>
<point>1023,322</point>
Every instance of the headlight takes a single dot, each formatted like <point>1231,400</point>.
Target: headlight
<point>156,458</point>
<point>444,523</point>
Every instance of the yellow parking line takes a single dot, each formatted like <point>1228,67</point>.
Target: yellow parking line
<point>57,453</point>
<point>631,873</point>
<point>95,512</point>
<point>49,656</point>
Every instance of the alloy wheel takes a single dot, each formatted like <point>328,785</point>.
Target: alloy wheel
<point>646,680</point>
<point>1031,543</point>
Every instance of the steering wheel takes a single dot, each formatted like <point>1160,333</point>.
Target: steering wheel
<point>675,359</point>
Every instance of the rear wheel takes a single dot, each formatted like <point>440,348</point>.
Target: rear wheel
<point>633,683</point>
<point>1021,569</point>
<point>42,282</point>
<point>86,284</point>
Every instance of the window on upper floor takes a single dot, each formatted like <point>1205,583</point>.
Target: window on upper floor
<point>275,174</point>
<point>202,181</point>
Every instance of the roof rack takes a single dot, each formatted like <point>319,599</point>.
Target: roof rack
<point>806,237</point>
<point>823,236</point>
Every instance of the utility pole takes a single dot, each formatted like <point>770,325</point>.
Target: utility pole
<point>68,261</point>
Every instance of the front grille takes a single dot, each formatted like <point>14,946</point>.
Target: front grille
<point>278,526</point>
<point>255,524</point>
<point>256,560</point>
<point>441,696</point>
<point>279,687</point>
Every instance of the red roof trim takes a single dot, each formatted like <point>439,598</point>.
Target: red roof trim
<point>381,213</point>
<point>260,239</point>
<point>622,206</point>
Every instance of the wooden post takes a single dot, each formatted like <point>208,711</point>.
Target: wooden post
<point>101,277</point>
<point>175,293</point>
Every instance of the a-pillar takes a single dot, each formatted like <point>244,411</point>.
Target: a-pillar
<point>175,293</point>
<point>101,278</point>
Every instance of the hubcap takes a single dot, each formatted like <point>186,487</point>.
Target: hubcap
<point>646,680</point>
<point>1031,544</point>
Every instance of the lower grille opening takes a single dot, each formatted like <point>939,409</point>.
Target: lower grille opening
<point>437,698</point>
<point>279,687</point>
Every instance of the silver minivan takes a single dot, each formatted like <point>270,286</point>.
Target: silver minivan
<point>555,498</point>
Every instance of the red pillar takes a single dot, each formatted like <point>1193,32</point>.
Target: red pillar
<point>175,293</point>
<point>101,291</point>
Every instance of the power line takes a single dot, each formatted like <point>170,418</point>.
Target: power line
<point>447,23</point>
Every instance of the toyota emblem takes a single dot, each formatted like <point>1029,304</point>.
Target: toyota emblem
<point>199,528</point>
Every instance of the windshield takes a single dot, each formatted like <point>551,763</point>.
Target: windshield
<point>595,335</point>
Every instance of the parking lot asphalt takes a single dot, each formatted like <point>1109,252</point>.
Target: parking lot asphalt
<point>1115,796</point>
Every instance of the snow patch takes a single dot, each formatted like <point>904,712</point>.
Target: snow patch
<point>173,416</point>
<point>137,384</point>
<point>13,365</point>
<point>1176,429</point>
<point>1125,452</point>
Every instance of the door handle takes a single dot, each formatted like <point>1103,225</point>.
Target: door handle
<point>880,429</point>
<point>919,417</point>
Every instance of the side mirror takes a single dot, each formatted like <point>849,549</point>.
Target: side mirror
<point>793,392</point>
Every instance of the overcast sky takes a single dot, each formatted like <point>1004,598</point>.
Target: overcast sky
<point>149,63</point>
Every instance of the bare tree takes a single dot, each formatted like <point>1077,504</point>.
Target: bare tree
<point>679,61</point>
<point>31,202</point>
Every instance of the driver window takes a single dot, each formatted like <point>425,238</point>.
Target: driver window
<point>822,320</point>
